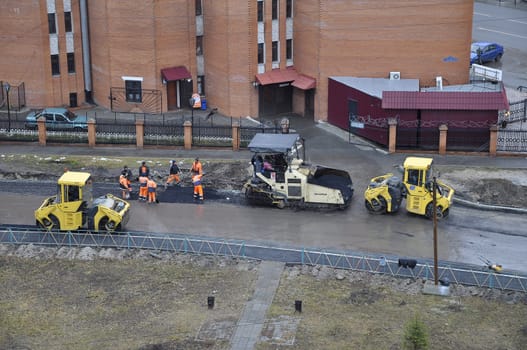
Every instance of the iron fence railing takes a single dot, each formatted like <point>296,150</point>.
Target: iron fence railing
<point>458,273</point>
<point>510,140</point>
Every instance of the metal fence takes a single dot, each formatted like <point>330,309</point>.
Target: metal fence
<point>458,273</point>
<point>512,128</point>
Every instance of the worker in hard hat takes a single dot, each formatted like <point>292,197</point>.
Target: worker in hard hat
<point>196,166</point>
<point>151,188</point>
<point>198,188</point>
<point>173,174</point>
<point>124,184</point>
<point>143,189</point>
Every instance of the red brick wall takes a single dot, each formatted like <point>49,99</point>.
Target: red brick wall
<point>25,52</point>
<point>371,38</point>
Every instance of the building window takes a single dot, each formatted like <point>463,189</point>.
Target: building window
<point>289,49</point>
<point>261,53</point>
<point>275,51</point>
<point>133,91</point>
<point>260,11</point>
<point>67,21</point>
<point>52,24</point>
<point>201,84</point>
<point>289,8</point>
<point>55,67</point>
<point>199,45</point>
<point>71,62</point>
<point>275,9</point>
<point>199,10</point>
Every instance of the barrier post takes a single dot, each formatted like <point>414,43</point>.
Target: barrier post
<point>187,134</point>
<point>139,133</point>
<point>91,133</point>
<point>392,135</point>
<point>442,138</point>
<point>493,140</point>
<point>235,136</point>
<point>41,123</point>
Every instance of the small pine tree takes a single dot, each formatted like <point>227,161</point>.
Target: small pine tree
<point>415,335</point>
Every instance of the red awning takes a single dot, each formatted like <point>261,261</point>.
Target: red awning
<point>277,76</point>
<point>175,73</point>
<point>303,82</point>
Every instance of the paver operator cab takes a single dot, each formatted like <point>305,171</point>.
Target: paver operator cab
<point>385,193</point>
<point>282,178</point>
<point>74,208</point>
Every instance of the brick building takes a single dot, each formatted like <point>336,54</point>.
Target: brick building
<point>247,57</point>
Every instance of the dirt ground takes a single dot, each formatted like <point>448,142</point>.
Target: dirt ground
<point>71,298</point>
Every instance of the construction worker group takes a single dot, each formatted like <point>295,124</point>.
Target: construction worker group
<point>148,186</point>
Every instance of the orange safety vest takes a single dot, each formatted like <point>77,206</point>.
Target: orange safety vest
<point>123,181</point>
<point>196,167</point>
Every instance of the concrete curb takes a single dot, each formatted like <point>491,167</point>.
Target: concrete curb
<point>488,207</point>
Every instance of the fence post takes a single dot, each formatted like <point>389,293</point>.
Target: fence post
<point>235,136</point>
<point>91,133</point>
<point>139,133</point>
<point>187,126</point>
<point>41,122</point>
<point>392,135</point>
<point>493,140</point>
<point>443,128</point>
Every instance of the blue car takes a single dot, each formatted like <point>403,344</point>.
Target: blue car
<point>485,52</point>
<point>58,119</point>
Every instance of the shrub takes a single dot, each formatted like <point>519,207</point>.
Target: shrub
<point>415,335</point>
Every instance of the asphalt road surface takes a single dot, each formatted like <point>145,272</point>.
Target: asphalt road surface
<point>465,236</point>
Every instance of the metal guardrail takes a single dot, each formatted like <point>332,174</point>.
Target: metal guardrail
<point>455,272</point>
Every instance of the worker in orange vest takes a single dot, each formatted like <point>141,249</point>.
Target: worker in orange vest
<point>198,188</point>
<point>151,188</point>
<point>143,189</point>
<point>124,184</point>
<point>196,167</point>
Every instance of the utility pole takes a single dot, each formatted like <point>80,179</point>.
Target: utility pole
<point>434,204</point>
<point>7,88</point>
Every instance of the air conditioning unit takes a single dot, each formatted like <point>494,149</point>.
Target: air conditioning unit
<point>439,83</point>
<point>395,75</point>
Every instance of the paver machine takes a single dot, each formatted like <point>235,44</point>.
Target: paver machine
<point>73,207</point>
<point>282,178</point>
<point>386,192</point>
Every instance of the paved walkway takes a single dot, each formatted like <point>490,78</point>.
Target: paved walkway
<point>251,322</point>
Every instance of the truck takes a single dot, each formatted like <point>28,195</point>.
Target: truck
<point>386,192</point>
<point>74,208</point>
<point>288,180</point>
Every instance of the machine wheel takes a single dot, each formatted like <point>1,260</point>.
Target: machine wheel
<point>430,211</point>
<point>51,224</point>
<point>107,225</point>
<point>280,204</point>
<point>377,206</point>
<point>498,58</point>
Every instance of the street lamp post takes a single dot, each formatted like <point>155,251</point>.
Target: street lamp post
<point>434,204</point>
<point>7,88</point>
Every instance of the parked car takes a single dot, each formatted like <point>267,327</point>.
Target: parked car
<point>485,52</point>
<point>58,119</point>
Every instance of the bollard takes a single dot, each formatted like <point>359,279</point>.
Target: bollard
<point>298,305</point>
<point>210,302</point>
